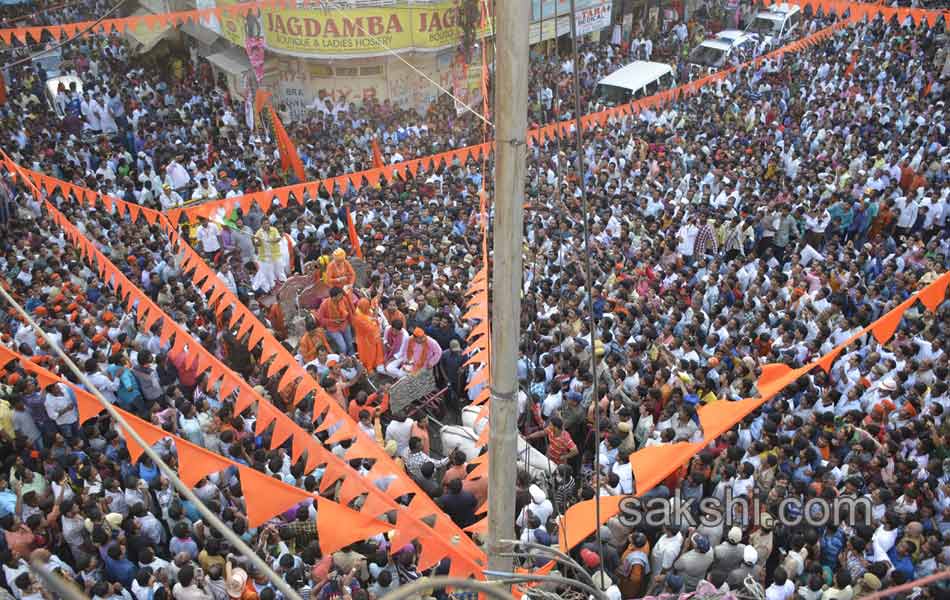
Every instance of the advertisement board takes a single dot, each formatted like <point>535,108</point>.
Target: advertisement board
<point>590,16</point>
<point>592,19</point>
<point>362,32</point>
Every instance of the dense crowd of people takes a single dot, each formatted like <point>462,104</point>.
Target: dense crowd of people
<point>766,219</point>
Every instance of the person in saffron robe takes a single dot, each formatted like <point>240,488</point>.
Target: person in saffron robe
<point>335,314</point>
<point>340,272</point>
<point>314,339</point>
<point>369,340</point>
<point>421,352</point>
<point>320,273</point>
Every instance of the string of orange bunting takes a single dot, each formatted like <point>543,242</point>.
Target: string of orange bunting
<point>421,520</point>
<point>773,379</point>
<point>37,34</point>
<point>283,196</point>
<point>653,464</point>
<point>177,18</point>
<point>271,496</point>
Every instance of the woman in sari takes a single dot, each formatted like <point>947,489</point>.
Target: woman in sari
<point>366,330</point>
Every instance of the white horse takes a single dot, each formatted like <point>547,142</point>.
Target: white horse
<point>466,439</point>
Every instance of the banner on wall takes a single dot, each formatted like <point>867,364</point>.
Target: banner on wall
<point>232,26</point>
<point>301,81</point>
<point>358,32</point>
<point>592,19</point>
<point>555,18</point>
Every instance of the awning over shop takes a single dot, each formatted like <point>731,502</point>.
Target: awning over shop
<point>199,32</point>
<point>145,36</point>
<point>232,60</point>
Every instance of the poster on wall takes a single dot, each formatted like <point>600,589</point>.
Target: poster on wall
<point>589,16</point>
<point>232,25</point>
<point>547,9</point>
<point>302,82</point>
<point>592,19</point>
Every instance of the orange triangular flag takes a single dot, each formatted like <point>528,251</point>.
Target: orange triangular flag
<point>266,497</point>
<point>194,463</point>
<point>885,327</point>
<point>87,405</point>
<point>283,429</point>
<point>150,433</point>
<point>408,528</point>
<point>935,293</point>
<point>339,526</point>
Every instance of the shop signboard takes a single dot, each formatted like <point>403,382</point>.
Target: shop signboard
<point>362,32</point>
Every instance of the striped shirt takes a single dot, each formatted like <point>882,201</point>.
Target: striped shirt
<point>559,445</point>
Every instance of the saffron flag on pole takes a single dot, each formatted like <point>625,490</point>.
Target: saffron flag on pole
<point>289,159</point>
<point>354,238</point>
<point>854,61</point>
<point>377,155</point>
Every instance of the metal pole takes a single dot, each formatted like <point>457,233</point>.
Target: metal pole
<point>511,123</point>
<point>588,272</point>
<point>209,517</point>
<point>555,555</point>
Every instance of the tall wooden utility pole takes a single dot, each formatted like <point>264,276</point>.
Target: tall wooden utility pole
<point>512,21</point>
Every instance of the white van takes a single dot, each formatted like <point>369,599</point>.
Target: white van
<point>52,88</point>
<point>636,80</point>
<point>775,25</point>
<point>713,55</point>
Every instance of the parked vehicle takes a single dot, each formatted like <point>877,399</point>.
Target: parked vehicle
<point>775,25</point>
<point>636,80</point>
<point>713,55</point>
<point>72,85</point>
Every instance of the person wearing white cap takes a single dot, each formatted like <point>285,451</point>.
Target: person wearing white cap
<point>746,568</point>
<point>235,582</point>
<point>884,390</point>
<point>168,198</point>
<point>604,583</point>
<point>729,553</point>
<point>539,506</point>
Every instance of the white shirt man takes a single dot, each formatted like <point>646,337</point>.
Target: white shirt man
<point>208,236</point>
<point>92,112</point>
<point>61,406</point>
<point>665,552</point>
<point>780,592</point>
<point>625,472</point>
<point>107,386</point>
<point>687,239</point>
<point>204,191</point>
<point>178,175</point>
<point>400,432</point>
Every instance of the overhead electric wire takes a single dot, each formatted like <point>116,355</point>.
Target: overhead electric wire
<point>588,284</point>
<point>72,39</point>
<point>359,25</point>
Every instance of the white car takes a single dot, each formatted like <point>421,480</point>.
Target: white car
<point>775,25</point>
<point>713,55</point>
